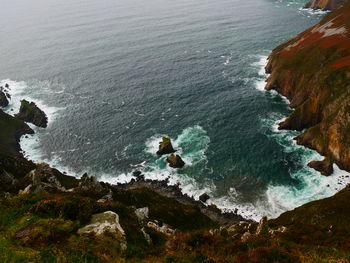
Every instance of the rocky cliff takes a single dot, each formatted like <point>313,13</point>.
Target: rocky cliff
<point>313,71</point>
<point>324,4</point>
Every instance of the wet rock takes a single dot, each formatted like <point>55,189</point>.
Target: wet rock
<point>3,99</point>
<point>29,112</point>
<point>7,85</point>
<point>204,197</point>
<point>325,167</point>
<point>165,146</point>
<point>106,222</point>
<point>175,161</point>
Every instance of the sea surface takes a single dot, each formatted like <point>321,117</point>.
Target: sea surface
<point>114,76</point>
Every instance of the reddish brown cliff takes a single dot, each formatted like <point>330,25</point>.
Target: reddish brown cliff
<point>324,4</point>
<point>313,71</point>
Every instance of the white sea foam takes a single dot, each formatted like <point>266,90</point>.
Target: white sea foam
<point>311,184</point>
<point>19,91</point>
<point>260,82</point>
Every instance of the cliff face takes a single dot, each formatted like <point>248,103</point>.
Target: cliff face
<point>313,71</point>
<point>324,4</point>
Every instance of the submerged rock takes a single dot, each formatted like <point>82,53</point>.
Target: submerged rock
<point>103,223</point>
<point>325,167</point>
<point>165,146</point>
<point>204,197</point>
<point>30,112</point>
<point>175,161</point>
<point>3,99</point>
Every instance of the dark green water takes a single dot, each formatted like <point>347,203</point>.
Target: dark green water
<point>114,76</point>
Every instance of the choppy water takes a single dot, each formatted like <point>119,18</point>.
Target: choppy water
<point>116,75</point>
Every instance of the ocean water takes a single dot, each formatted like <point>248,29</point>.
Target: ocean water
<point>114,76</point>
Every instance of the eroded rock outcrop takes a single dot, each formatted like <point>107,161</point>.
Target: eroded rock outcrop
<point>325,167</point>
<point>312,71</point>
<point>29,112</point>
<point>324,4</point>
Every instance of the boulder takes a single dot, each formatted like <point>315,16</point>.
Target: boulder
<point>3,99</point>
<point>204,197</point>
<point>103,223</point>
<point>7,85</point>
<point>165,146</point>
<point>325,167</point>
<point>175,161</point>
<point>29,112</point>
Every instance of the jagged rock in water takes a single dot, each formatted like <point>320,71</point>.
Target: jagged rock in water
<point>30,112</point>
<point>204,197</point>
<point>165,146</point>
<point>106,222</point>
<point>3,99</point>
<point>324,4</point>
<point>175,161</point>
<point>325,167</point>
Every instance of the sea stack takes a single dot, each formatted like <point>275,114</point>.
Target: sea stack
<point>29,112</point>
<point>175,161</point>
<point>165,146</point>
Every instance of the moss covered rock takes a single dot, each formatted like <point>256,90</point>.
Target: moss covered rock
<point>165,146</point>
